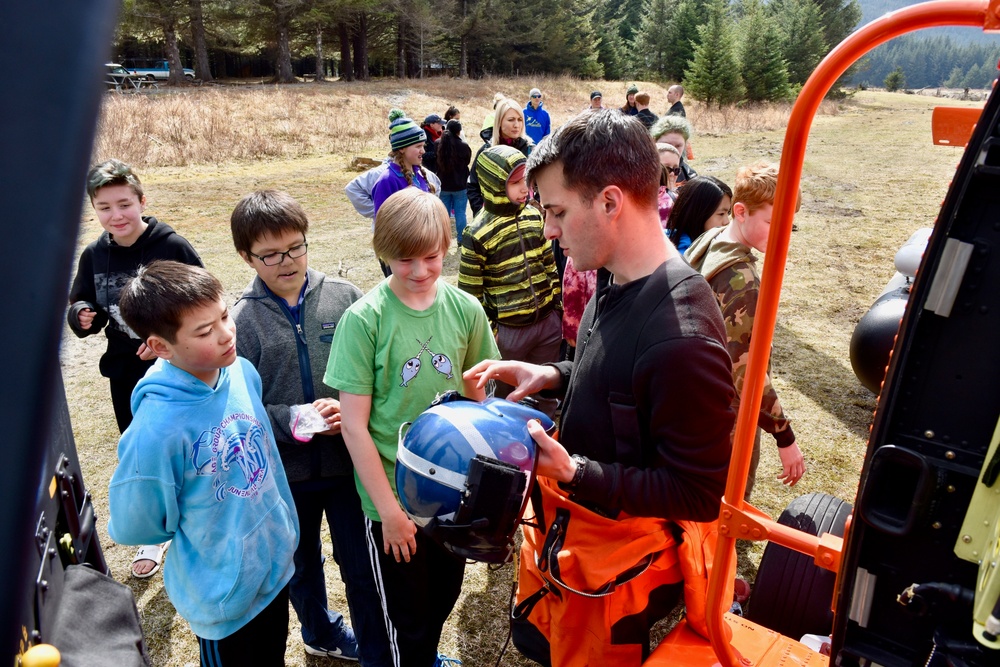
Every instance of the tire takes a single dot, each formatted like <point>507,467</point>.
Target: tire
<point>792,595</point>
<point>151,78</point>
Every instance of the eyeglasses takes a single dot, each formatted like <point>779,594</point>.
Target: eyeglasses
<point>539,96</point>
<point>676,171</point>
<point>276,258</point>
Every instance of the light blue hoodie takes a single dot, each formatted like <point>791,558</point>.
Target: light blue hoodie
<point>199,465</point>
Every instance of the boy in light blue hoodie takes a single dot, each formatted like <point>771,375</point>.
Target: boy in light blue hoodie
<point>199,465</point>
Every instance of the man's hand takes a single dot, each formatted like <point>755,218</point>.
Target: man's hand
<point>329,408</point>
<point>145,353</point>
<point>525,378</point>
<point>553,459</point>
<point>399,535</point>
<point>85,317</point>
<point>793,465</point>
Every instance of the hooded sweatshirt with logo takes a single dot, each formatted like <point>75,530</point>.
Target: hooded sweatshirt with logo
<point>199,466</point>
<point>731,270</point>
<point>537,123</point>
<point>506,261</point>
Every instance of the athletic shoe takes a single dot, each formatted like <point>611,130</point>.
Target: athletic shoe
<point>346,649</point>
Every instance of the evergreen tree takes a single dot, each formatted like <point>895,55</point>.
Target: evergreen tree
<point>569,43</point>
<point>895,80</point>
<point>955,78</point>
<point>612,46</point>
<point>973,78</point>
<point>652,41</point>
<point>840,18</point>
<point>764,72</point>
<point>714,76</point>
<point>683,37</point>
<point>803,44</point>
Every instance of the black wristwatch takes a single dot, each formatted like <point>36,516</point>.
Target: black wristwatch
<point>581,467</point>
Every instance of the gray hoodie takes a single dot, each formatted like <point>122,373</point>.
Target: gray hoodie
<point>291,364</point>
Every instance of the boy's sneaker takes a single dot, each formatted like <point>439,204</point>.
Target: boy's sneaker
<point>346,648</point>
<point>444,661</point>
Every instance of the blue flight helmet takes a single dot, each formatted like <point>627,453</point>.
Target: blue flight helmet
<point>464,470</point>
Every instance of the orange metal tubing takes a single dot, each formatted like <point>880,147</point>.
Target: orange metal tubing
<point>977,13</point>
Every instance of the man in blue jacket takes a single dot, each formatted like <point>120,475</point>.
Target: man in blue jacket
<point>536,119</point>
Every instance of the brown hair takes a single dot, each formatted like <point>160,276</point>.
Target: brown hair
<point>642,98</point>
<point>600,148</point>
<point>112,172</point>
<point>410,223</point>
<point>155,301</point>
<point>265,213</point>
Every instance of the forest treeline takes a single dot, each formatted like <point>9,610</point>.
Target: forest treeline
<point>930,62</point>
<point>724,52</point>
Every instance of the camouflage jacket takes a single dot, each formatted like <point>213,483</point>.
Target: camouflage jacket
<point>731,270</point>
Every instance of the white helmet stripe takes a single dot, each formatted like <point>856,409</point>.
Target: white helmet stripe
<point>422,466</point>
<point>460,420</point>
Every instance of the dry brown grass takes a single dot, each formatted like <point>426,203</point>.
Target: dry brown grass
<point>212,125</point>
<point>871,178</point>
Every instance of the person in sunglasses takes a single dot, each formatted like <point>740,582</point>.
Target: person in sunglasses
<point>536,119</point>
<point>676,131</point>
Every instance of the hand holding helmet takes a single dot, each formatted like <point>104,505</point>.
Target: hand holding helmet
<point>464,471</point>
<point>553,459</point>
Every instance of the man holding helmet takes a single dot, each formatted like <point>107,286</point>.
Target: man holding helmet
<point>647,417</point>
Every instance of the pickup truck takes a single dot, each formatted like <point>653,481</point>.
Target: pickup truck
<point>160,71</point>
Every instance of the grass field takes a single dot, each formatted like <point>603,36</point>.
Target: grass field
<point>871,178</point>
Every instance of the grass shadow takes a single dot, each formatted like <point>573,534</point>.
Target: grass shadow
<point>483,619</point>
<point>828,381</point>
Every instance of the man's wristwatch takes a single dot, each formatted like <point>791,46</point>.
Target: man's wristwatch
<point>581,465</point>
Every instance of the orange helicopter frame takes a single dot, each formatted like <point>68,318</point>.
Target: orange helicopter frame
<point>753,645</point>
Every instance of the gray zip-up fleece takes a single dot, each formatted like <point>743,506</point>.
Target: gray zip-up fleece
<point>291,359</point>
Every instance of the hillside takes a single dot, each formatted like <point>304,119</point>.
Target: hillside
<point>872,9</point>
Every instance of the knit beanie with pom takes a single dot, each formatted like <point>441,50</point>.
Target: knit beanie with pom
<point>403,131</point>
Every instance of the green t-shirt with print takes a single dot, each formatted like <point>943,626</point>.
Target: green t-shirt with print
<point>404,358</point>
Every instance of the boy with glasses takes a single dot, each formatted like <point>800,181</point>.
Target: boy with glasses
<point>536,119</point>
<point>285,324</point>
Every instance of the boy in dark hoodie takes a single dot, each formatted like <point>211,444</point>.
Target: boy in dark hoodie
<point>507,263</point>
<point>129,241</point>
<point>724,255</point>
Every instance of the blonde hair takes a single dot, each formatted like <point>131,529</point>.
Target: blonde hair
<point>668,148</point>
<point>397,157</point>
<point>503,106</point>
<point>410,223</point>
<point>756,184</point>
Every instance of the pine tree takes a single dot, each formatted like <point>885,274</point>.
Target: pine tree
<point>683,38</point>
<point>652,40</point>
<point>895,80</point>
<point>803,44</point>
<point>764,71</point>
<point>840,18</point>
<point>714,76</point>
<point>611,46</point>
<point>955,78</point>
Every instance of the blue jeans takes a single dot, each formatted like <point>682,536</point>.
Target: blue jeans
<point>338,498</point>
<point>457,201</point>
